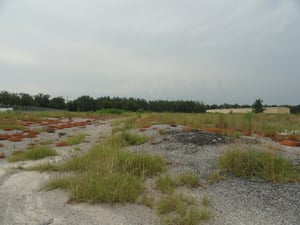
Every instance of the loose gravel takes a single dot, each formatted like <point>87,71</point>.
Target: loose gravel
<point>235,201</point>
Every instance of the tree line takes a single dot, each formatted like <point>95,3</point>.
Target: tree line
<point>87,103</point>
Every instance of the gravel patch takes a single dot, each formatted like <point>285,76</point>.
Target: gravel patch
<point>235,201</point>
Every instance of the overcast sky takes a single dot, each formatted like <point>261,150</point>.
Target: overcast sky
<point>213,51</point>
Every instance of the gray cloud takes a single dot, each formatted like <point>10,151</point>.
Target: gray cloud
<point>215,51</point>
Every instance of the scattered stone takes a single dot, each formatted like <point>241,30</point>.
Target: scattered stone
<point>61,134</point>
<point>48,222</point>
<point>2,155</point>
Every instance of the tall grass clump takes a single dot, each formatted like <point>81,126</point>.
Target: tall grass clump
<point>179,210</point>
<point>259,164</point>
<point>34,153</point>
<point>108,188</point>
<point>189,179</point>
<point>170,204</point>
<point>107,173</point>
<point>133,139</point>
<point>166,184</point>
<point>140,165</point>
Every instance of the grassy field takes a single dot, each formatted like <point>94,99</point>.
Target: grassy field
<point>264,124</point>
<point>13,120</point>
<point>235,125</point>
<point>249,123</point>
<point>108,173</point>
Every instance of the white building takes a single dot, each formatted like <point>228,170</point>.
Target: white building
<point>6,109</point>
<point>280,110</point>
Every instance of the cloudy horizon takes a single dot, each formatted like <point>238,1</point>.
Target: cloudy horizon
<point>211,51</point>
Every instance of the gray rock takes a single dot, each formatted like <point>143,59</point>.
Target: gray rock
<point>48,222</point>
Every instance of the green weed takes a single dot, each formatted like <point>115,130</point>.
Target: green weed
<point>10,124</point>
<point>75,140</point>
<point>44,167</point>
<point>192,216</point>
<point>147,201</point>
<point>141,165</point>
<point>110,188</point>
<point>133,139</point>
<point>62,182</point>
<point>180,210</point>
<point>251,163</point>
<point>214,177</point>
<point>170,204</point>
<point>189,179</point>
<point>166,184</point>
<point>35,153</point>
<point>171,219</point>
<point>204,214</point>
<point>205,201</point>
<point>107,173</point>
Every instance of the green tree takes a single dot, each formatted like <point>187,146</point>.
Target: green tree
<point>257,106</point>
<point>26,100</point>
<point>42,100</point>
<point>7,98</point>
<point>85,103</point>
<point>57,103</point>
